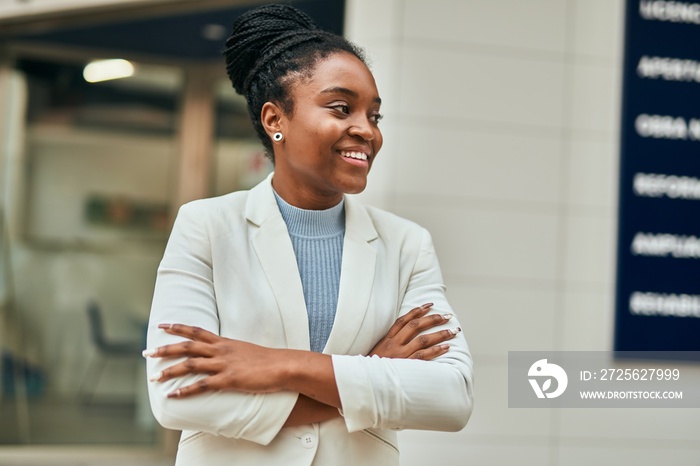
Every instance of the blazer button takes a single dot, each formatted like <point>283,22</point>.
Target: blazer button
<point>308,440</point>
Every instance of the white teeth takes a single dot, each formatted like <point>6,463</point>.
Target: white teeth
<point>354,155</point>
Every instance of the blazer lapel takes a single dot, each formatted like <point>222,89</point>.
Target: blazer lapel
<point>276,254</point>
<point>356,277</point>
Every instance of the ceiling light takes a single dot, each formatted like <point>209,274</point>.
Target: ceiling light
<point>105,70</point>
<point>214,32</point>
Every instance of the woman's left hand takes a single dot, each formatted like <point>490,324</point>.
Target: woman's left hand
<point>230,364</point>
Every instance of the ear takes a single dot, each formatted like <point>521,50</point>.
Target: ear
<point>271,117</point>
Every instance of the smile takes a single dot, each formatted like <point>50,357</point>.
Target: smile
<point>354,155</point>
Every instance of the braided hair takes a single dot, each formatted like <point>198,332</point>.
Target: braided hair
<point>272,47</point>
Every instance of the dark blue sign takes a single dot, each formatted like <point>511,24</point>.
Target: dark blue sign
<point>658,269</point>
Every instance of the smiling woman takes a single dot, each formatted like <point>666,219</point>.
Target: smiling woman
<point>290,324</point>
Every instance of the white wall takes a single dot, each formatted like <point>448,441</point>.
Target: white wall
<point>501,137</point>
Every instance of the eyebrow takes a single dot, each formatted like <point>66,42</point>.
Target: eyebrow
<point>346,91</point>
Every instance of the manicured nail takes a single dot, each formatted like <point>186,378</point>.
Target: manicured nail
<point>447,316</point>
<point>174,394</point>
<point>455,331</point>
<point>444,347</point>
<point>147,353</point>
<point>156,377</point>
<point>427,305</point>
<point>165,326</point>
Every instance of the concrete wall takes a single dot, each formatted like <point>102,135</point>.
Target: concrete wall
<point>501,137</point>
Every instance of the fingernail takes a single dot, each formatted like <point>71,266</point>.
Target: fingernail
<point>444,347</point>
<point>447,316</point>
<point>156,377</point>
<point>165,326</point>
<point>427,305</point>
<point>455,331</point>
<point>174,394</point>
<point>148,353</point>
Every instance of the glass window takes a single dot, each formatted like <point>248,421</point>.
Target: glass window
<point>94,189</point>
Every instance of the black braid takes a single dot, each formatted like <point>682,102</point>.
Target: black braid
<point>270,47</point>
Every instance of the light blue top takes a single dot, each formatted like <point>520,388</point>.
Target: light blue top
<point>317,238</point>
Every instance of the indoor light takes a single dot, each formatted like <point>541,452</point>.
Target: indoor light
<point>104,70</point>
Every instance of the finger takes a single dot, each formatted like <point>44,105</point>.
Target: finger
<point>208,384</point>
<point>191,332</point>
<point>186,348</point>
<point>431,339</point>
<point>428,354</point>
<point>410,316</point>
<point>416,326</point>
<point>189,366</point>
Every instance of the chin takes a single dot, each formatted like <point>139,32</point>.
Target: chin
<point>355,188</point>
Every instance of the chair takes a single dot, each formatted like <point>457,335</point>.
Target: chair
<point>105,349</point>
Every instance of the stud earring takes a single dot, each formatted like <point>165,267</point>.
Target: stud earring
<point>277,136</point>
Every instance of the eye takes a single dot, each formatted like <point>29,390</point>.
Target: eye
<point>376,118</point>
<point>342,108</point>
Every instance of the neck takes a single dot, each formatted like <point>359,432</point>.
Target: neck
<point>301,196</point>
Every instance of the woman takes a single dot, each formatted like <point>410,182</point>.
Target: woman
<point>289,322</point>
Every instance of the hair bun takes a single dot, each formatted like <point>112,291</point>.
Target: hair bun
<point>259,35</point>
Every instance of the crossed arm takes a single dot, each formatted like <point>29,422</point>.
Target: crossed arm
<point>249,368</point>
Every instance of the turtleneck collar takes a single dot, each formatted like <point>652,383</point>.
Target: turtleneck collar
<point>312,223</point>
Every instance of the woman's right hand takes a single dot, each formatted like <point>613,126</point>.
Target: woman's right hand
<point>403,340</point>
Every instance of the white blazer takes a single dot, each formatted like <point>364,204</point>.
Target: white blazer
<point>229,267</point>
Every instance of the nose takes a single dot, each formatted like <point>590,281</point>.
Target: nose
<point>362,128</point>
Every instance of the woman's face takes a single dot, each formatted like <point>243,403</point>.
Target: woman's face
<point>332,137</point>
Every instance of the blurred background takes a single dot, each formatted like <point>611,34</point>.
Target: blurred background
<point>501,137</point>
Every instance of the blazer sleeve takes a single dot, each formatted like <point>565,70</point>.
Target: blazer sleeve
<point>406,393</point>
<point>184,293</point>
